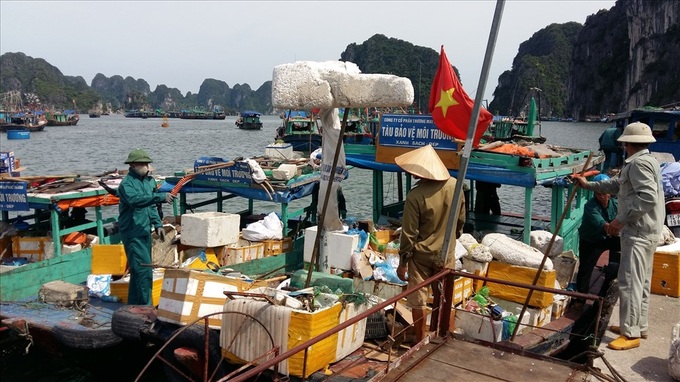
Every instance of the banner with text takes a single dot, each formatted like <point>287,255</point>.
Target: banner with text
<point>13,196</point>
<point>238,173</point>
<point>413,131</point>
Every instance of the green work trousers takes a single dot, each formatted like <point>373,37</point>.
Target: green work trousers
<point>138,252</point>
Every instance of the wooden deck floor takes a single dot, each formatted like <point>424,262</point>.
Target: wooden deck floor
<point>459,360</point>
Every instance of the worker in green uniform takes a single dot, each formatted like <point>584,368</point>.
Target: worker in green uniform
<point>138,195</point>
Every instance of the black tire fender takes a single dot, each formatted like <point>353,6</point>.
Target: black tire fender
<point>74,335</point>
<point>128,321</point>
<point>194,337</point>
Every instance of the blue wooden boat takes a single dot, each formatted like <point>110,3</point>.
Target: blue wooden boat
<point>249,120</point>
<point>665,124</point>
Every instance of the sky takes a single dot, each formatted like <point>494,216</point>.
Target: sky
<point>181,43</point>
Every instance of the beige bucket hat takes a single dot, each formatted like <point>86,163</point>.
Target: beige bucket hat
<point>637,132</point>
<point>424,163</point>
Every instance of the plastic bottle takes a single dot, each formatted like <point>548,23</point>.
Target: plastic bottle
<point>110,298</point>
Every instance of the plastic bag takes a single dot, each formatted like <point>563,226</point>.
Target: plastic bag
<point>384,271</point>
<point>99,285</point>
<point>269,228</point>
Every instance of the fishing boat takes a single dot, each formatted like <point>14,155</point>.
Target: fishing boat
<point>301,130</point>
<point>65,118</point>
<point>664,122</point>
<point>25,121</point>
<point>249,120</point>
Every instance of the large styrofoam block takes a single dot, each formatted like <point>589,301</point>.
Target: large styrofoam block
<point>540,240</point>
<point>285,171</point>
<point>511,251</point>
<point>210,229</point>
<point>478,327</point>
<point>279,150</point>
<point>335,249</point>
<point>331,84</point>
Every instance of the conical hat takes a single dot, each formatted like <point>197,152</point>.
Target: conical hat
<point>424,163</point>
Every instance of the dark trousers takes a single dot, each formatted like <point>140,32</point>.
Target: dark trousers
<point>138,252</point>
<point>589,254</point>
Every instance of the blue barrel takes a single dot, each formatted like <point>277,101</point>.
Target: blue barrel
<point>18,134</point>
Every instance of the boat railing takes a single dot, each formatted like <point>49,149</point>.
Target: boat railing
<point>439,320</point>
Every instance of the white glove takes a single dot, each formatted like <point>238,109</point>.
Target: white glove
<point>169,197</point>
<point>161,233</point>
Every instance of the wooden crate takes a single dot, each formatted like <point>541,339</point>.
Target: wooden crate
<point>242,252</point>
<point>33,248</point>
<point>120,288</point>
<point>108,259</point>
<point>666,274</point>
<point>275,247</point>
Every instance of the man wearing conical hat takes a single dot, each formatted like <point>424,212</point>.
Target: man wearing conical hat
<point>426,214</point>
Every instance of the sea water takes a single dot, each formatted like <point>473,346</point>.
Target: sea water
<point>97,145</point>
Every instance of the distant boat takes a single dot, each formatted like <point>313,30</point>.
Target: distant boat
<point>665,125</point>
<point>165,122</point>
<point>300,130</point>
<point>24,122</point>
<point>65,118</point>
<point>95,114</point>
<point>249,120</point>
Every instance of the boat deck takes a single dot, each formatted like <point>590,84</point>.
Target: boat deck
<point>474,362</point>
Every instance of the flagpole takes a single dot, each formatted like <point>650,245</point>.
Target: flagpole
<point>462,171</point>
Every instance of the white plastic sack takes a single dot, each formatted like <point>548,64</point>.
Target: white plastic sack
<point>256,172</point>
<point>99,285</point>
<point>331,135</point>
<point>269,228</point>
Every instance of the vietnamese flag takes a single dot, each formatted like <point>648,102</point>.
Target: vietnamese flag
<point>451,107</point>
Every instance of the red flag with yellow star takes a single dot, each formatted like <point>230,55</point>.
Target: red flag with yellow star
<point>451,107</point>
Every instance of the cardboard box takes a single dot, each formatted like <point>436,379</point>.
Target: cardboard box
<point>559,306</point>
<point>210,229</point>
<point>532,318</point>
<point>243,251</point>
<point>188,294</point>
<point>335,248</point>
<point>523,275</point>
<point>290,328</point>
<point>33,248</point>
<point>275,247</point>
<point>666,270</point>
<point>478,327</point>
<point>120,288</point>
<point>566,267</point>
<point>108,259</point>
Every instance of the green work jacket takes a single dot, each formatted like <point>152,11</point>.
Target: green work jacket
<point>137,208</point>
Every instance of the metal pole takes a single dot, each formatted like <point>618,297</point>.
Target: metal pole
<point>453,215</point>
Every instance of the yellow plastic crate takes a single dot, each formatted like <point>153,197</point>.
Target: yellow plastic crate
<point>34,248</point>
<point>108,259</point>
<point>120,288</point>
<point>201,265</point>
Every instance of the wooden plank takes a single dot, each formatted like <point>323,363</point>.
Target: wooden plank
<point>483,363</point>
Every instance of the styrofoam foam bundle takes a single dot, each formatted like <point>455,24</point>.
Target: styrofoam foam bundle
<point>330,84</point>
<point>475,251</point>
<point>541,239</point>
<point>508,250</point>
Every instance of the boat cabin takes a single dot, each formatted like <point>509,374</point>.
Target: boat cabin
<point>664,124</point>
